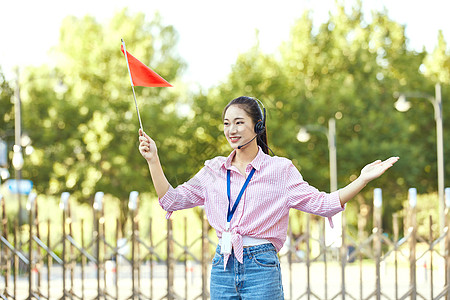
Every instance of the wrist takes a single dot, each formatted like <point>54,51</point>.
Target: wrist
<point>362,181</point>
<point>154,161</point>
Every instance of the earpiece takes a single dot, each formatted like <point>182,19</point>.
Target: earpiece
<point>260,126</point>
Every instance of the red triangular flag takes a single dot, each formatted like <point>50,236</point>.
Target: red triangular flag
<point>143,75</point>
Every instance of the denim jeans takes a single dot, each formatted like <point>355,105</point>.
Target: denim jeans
<point>259,277</point>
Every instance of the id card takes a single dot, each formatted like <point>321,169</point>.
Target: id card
<point>225,247</point>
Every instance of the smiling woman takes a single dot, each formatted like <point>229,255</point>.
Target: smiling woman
<point>247,198</point>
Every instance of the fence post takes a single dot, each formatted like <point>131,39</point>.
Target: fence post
<point>205,250</point>
<point>185,260</point>
<point>116,260</point>
<point>39,262</point>
<point>5,251</point>
<point>361,224</point>
<point>72,261</point>
<point>396,235</point>
<point>447,251</point>
<point>132,205</point>
<point>170,294</point>
<point>16,258</point>
<point>289,257</point>
<point>430,242</point>
<point>98,204</point>
<point>64,204</point>
<point>49,260</point>
<point>343,254</point>
<point>325,262</point>
<point>83,260</point>
<point>151,257</point>
<point>308,255</point>
<point>412,194</point>
<point>377,203</point>
<point>30,205</point>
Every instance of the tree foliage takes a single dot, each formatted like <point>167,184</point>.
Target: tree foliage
<point>349,70</point>
<point>81,116</point>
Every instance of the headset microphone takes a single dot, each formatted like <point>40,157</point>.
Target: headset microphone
<point>239,147</point>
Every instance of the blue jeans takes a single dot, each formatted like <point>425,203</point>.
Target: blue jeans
<point>259,277</point>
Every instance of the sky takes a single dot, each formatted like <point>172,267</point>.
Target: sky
<point>211,33</point>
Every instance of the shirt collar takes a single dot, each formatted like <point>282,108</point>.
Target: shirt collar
<point>256,162</point>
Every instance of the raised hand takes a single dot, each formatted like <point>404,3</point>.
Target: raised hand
<point>377,168</point>
<point>147,147</point>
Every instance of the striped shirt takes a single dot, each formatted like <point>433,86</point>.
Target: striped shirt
<point>263,212</point>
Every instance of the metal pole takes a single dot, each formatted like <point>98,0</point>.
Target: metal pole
<point>83,259</point>
<point>412,243</point>
<point>49,259</point>
<point>377,241</point>
<point>447,243</point>
<point>332,153</point>
<point>205,249</point>
<point>17,142</point>
<point>170,266</point>
<point>437,104</point>
<point>63,255</point>
<point>30,253</point>
<point>151,259</point>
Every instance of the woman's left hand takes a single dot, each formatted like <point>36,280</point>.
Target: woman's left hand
<point>377,168</point>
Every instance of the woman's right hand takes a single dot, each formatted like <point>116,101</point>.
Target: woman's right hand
<point>147,147</point>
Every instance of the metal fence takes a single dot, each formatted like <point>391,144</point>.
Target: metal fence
<point>132,265</point>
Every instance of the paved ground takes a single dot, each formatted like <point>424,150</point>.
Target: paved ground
<point>298,276</point>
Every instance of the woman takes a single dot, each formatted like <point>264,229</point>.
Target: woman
<point>247,197</point>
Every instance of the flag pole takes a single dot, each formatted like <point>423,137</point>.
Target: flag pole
<point>132,85</point>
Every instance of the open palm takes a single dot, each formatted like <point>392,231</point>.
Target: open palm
<point>377,168</point>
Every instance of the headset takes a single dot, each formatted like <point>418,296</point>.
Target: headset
<point>260,126</point>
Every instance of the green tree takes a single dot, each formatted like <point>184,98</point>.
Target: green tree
<point>6,107</point>
<point>81,114</point>
<point>7,112</point>
<point>348,69</point>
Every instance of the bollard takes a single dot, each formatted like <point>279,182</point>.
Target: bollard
<point>412,197</point>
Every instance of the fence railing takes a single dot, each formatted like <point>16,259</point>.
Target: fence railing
<point>133,265</point>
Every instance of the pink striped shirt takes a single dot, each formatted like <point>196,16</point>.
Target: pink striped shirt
<point>263,212</point>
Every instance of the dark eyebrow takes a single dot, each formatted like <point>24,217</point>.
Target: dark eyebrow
<point>238,118</point>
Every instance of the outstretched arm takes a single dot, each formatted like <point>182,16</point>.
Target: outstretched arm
<point>368,173</point>
<point>148,150</point>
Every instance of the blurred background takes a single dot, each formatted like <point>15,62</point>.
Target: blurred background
<point>332,70</point>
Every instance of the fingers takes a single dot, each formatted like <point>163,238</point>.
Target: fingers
<point>389,163</point>
<point>143,136</point>
<point>374,163</point>
<point>391,160</point>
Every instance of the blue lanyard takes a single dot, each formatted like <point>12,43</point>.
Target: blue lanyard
<point>231,213</point>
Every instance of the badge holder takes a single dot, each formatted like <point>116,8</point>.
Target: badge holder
<point>225,247</point>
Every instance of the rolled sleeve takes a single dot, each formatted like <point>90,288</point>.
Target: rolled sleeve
<point>186,195</point>
<point>304,197</point>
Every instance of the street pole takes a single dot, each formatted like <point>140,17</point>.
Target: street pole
<point>437,104</point>
<point>403,105</point>
<point>335,232</point>
<point>17,144</point>
<point>331,234</point>
<point>332,153</point>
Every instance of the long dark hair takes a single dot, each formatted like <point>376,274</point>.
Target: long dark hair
<point>251,107</point>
